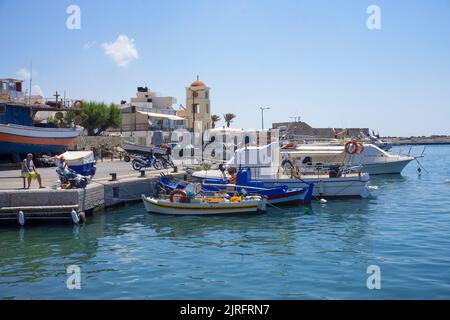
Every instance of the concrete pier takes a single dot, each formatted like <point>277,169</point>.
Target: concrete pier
<point>101,193</point>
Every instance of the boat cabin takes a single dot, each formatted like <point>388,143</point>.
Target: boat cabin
<point>10,89</point>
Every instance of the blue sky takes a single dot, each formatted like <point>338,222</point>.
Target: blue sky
<point>313,59</point>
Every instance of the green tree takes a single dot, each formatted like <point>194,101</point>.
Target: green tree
<point>215,118</point>
<point>98,116</point>
<point>95,117</point>
<point>229,117</point>
<point>53,121</point>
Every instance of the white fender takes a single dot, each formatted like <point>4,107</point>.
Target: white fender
<point>21,216</point>
<point>321,187</point>
<point>75,217</point>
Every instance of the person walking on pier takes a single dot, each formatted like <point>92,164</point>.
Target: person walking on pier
<point>29,171</point>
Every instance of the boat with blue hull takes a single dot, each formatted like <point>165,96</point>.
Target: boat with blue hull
<point>19,131</point>
<point>280,195</point>
<point>24,139</point>
<point>275,194</point>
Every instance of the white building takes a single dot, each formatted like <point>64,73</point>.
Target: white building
<point>148,115</point>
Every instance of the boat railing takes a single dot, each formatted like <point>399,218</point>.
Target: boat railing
<point>318,170</point>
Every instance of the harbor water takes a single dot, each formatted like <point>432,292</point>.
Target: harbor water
<point>319,253</point>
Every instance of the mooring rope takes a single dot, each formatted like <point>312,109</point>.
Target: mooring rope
<point>274,206</point>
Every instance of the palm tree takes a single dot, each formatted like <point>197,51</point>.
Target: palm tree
<point>228,117</point>
<point>215,118</point>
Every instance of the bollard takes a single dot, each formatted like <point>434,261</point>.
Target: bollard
<point>142,173</point>
<point>113,176</point>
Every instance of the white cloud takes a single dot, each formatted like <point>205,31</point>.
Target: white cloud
<point>37,91</point>
<point>23,74</point>
<point>122,51</point>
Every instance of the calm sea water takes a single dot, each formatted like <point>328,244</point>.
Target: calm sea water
<point>404,228</point>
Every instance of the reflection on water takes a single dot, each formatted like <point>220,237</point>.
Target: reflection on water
<point>127,253</point>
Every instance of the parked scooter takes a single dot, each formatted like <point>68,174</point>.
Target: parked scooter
<point>139,163</point>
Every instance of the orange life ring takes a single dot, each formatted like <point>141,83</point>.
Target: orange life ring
<point>78,102</point>
<point>353,147</point>
<point>179,192</point>
<point>360,149</point>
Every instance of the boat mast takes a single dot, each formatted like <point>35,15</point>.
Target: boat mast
<point>31,76</point>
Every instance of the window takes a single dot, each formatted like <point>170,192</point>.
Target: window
<point>207,108</point>
<point>206,95</point>
<point>195,108</point>
<point>195,94</point>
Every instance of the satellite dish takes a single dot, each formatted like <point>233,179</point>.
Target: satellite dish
<point>59,115</point>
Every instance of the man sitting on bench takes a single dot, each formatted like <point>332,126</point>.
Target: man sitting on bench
<point>29,171</point>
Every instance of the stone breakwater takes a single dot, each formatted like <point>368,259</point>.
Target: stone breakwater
<point>433,140</point>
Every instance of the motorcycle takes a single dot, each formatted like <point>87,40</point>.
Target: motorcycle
<point>166,161</point>
<point>139,163</point>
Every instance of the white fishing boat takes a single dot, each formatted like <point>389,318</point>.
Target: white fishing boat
<point>348,185</point>
<point>372,159</point>
<point>205,205</point>
<point>264,165</point>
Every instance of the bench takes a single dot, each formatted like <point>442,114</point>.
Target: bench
<point>19,177</point>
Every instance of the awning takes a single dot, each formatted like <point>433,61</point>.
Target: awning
<point>310,152</point>
<point>161,116</point>
<point>78,157</point>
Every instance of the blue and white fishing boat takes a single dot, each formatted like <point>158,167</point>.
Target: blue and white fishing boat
<point>280,195</point>
<point>275,194</point>
<point>18,131</point>
<point>82,162</point>
<point>200,205</point>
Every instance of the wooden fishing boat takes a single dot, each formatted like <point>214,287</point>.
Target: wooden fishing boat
<point>205,206</point>
<point>279,195</point>
<point>20,130</point>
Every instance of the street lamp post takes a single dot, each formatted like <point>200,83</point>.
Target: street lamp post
<point>262,115</point>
